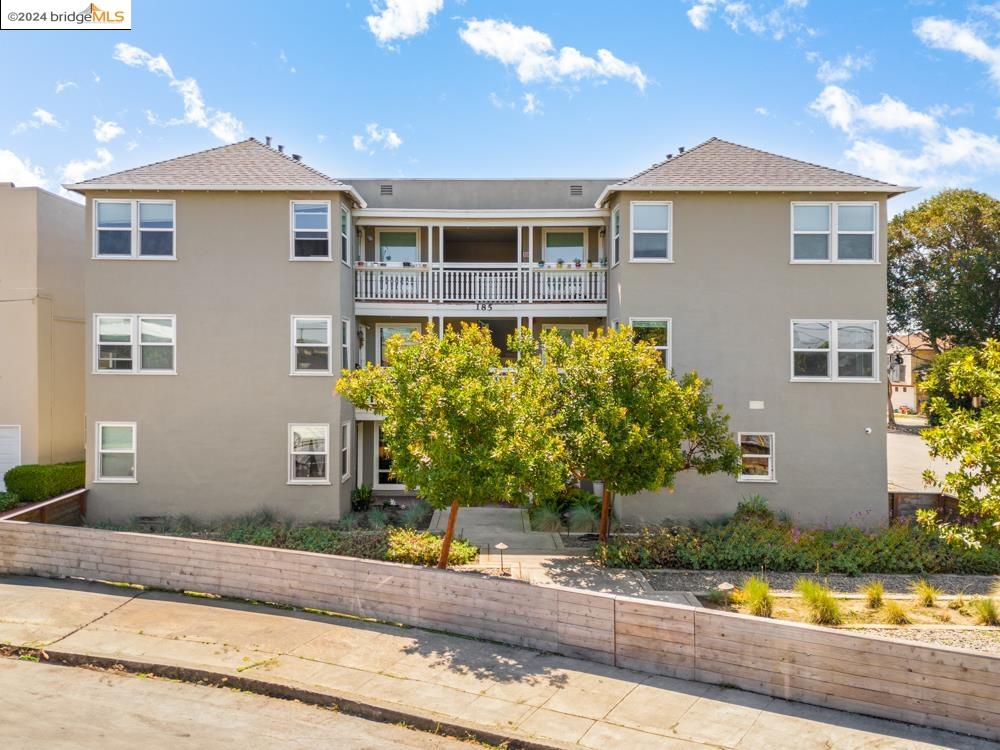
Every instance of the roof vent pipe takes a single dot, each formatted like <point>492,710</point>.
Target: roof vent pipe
<point>267,141</point>
<point>281,149</point>
<point>680,150</point>
<point>297,157</point>
<point>669,157</point>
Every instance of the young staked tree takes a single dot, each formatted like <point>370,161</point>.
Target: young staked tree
<point>626,421</point>
<point>461,429</point>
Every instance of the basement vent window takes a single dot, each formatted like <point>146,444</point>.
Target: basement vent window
<point>385,189</point>
<point>576,191</point>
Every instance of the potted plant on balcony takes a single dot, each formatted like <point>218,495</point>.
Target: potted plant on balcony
<point>577,263</point>
<point>360,263</point>
<point>541,264</point>
<point>590,264</point>
<point>559,263</point>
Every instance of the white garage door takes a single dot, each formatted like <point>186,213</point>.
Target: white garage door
<point>10,449</point>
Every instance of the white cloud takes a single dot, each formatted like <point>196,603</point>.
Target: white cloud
<point>845,111</point>
<point>223,125</point>
<point>63,85</point>
<point>20,171</point>
<point>39,118</point>
<point>401,19</point>
<point>941,33</point>
<point>106,130</point>
<point>386,138</point>
<point>535,58</point>
<point>78,170</point>
<point>97,78</point>
<point>131,146</point>
<point>532,105</point>
<point>762,111</point>
<point>778,21</point>
<point>321,137</point>
<point>840,70</point>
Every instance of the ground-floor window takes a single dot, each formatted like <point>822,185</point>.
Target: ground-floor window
<point>757,451</point>
<point>308,453</point>
<point>345,451</point>
<point>566,330</point>
<point>387,331</point>
<point>116,452</point>
<point>657,332</point>
<point>384,478</point>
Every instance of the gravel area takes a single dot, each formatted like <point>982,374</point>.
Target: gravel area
<point>700,581</point>
<point>982,639</point>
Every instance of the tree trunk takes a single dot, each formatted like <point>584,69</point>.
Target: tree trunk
<point>602,534</point>
<point>892,416</point>
<point>449,532</point>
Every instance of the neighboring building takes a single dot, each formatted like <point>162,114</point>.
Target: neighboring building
<point>227,289</point>
<point>916,353</point>
<point>41,328</point>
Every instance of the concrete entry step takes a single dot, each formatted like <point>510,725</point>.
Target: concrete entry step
<point>486,527</point>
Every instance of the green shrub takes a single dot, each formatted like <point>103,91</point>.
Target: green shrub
<point>756,597</point>
<point>8,500</point>
<point>823,607</point>
<point>986,611</point>
<point>893,614</point>
<point>350,520</point>
<point>424,548</point>
<point>545,519</point>
<point>754,508</point>
<point>873,594</point>
<point>361,498</point>
<point>925,593</point>
<point>35,482</point>
<point>417,515</point>
<point>377,518</point>
<point>582,519</point>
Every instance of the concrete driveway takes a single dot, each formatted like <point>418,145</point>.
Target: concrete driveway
<point>908,458</point>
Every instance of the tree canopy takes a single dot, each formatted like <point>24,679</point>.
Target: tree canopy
<point>944,268</point>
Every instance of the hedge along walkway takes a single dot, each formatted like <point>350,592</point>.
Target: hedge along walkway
<point>535,699</point>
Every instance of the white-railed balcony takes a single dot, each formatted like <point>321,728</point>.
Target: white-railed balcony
<point>480,282</point>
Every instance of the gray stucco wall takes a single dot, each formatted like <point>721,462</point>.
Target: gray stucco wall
<point>497,194</point>
<point>213,439</point>
<point>731,293</point>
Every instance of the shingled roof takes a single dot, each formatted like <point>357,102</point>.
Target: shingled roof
<point>720,165</point>
<point>246,165</point>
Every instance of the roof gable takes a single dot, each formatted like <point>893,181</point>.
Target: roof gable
<point>245,165</point>
<point>720,165</point>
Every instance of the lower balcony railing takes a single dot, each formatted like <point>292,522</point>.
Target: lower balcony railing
<point>458,282</point>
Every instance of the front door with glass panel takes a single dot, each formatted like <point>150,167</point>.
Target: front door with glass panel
<point>384,478</point>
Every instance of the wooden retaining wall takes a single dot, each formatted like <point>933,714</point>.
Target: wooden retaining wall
<point>933,686</point>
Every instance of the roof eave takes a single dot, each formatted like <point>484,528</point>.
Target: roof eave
<point>890,190</point>
<point>83,188</point>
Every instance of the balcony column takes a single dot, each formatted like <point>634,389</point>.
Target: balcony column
<point>441,326</point>
<point>520,266</point>
<point>531,263</point>
<point>430,263</point>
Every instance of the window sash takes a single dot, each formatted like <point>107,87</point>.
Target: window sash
<point>667,326</point>
<point>102,451</point>
<point>345,235</point>
<point>345,451</point>
<point>136,230</point>
<point>345,344</point>
<point>666,232</point>
<point>298,347</point>
<point>616,235</point>
<point>833,350</point>
<point>294,452</point>
<point>406,253</point>
<point>834,233</point>
<point>309,233</point>
<point>569,252</point>
<point>767,457</point>
<point>103,349</point>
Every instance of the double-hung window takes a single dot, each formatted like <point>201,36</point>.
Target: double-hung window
<point>564,245</point>
<point>311,345</point>
<point>116,452</point>
<point>135,344</point>
<point>310,238</point>
<point>651,231</point>
<point>834,232</point>
<point>757,456</point>
<point>398,245</point>
<point>386,332</point>
<point>655,331</point>
<point>616,235</point>
<point>345,344</point>
<point>134,229</point>
<point>345,235</point>
<point>345,451</point>
<point>835,350</point>
<point>308,453</point>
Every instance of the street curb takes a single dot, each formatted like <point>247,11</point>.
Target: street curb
<point>350,706</point>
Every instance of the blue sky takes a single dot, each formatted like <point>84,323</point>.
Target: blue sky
<point>904,91</point>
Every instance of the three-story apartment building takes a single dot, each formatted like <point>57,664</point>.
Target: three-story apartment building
<point>227,289</point>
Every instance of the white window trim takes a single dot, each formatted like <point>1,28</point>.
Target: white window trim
<point>581,328</point>
<point>345,343</point>
<point>616,256</point>
<point>98,452</point>
<point>378,243</point>
<point>291,231</point>
<point>834,234</point>
<point>669,348</point>
<point>345,236</point>
<point>345,449</point>
<point>378,336</point>
<point>328,319</point>
<point>633,232</point>
<point>135,319</point>
<point>771,477</point>
<point>375,483</point>
<point>326,453</point>
<point>566,230</point>
<point>833,350</point>
<point>134,229</point>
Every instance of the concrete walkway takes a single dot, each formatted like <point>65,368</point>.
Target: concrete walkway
<point>908,457</point>
<point>522,694</point>
<point>487,526</point>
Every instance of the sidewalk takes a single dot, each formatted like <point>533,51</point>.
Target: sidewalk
<point>519,693</point>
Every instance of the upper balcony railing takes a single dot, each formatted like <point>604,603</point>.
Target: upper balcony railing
<point>480,282</point>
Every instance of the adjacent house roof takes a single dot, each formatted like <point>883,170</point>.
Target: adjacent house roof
<point>917,341</point>
<point>721,165</point>
<point>246,165</point>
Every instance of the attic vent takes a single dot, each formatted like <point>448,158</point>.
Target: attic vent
<point>385,189</point>
<point>576,190</point>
